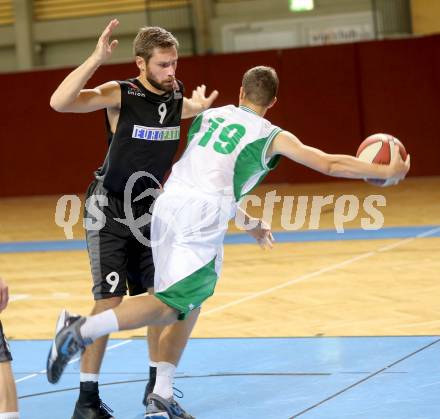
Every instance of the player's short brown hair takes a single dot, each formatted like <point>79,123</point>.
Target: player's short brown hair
<point>150,37</point>
<point>260,85</point>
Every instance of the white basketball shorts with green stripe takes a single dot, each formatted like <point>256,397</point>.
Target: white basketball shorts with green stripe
<point>187,232</point>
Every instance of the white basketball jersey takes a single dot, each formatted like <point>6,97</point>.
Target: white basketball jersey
<point>226,152</point>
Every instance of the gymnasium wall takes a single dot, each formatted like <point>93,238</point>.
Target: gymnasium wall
<point>425,16</point>
<point>331,97</point>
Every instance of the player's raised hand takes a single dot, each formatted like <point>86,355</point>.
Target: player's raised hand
<point>199,97</point>
<point>104,48</point>
<point>4,295</point>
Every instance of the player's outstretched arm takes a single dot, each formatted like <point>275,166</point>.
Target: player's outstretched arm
<point>198,102</point>
<point>70,95</point>
<point>338,165</point>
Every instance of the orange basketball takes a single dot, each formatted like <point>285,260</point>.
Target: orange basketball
<point>379,148</point>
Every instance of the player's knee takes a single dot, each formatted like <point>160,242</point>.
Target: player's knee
<point>105,304</point>
<point>194,313</point>
<point>167,315</point>
<point>171,315</point>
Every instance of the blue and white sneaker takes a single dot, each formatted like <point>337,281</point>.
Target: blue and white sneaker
<point>65,345</point>
<point>159,408</point>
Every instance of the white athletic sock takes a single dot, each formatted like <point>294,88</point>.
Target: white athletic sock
<point>10,415</point>
<point>164,380</point>
<point>154,364</point>
<point>99,325</point>
<point>85,376</point>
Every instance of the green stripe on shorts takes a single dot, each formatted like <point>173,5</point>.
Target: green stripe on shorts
<point>190,292</point>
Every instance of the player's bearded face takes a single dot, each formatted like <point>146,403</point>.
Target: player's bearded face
<point>161,69</point>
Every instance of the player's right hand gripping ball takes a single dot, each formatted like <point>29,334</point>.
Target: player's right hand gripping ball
<point>379,148</point>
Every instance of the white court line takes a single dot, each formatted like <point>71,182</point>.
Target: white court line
<point>402,242</point>
<point>116,345</point>
<point>18,297</point>
<point>28,377</point>
<point>319,272</point>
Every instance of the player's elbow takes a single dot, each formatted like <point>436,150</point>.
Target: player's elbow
<point>56,104</point>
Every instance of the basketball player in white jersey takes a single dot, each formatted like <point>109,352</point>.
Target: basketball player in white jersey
<point>230,149</point>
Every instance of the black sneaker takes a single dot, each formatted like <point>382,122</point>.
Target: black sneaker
<point>65,345</point>
<point>159,408</point>
<point>92,411</point>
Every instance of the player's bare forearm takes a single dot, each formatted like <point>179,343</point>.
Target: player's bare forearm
<point>348,166</point>
<point>345,166</point>
<point>68,91</point>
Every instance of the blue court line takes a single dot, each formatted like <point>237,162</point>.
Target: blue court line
<point>333,235</point>
<point>243,238</point>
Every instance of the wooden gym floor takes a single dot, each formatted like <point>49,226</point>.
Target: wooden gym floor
<point>365,287</point>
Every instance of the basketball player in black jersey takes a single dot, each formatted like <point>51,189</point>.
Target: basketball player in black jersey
<point>8,392</point>
<point>143,122</point>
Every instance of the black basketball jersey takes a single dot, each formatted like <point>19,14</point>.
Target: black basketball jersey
<point>146,138</point>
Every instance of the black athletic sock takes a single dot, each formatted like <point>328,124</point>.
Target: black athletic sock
<point>150,385</point>
<point>88,393</point>
<point>152,379</point>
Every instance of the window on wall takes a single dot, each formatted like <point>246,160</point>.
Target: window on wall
<point>63,9</point>
<point>6,13</point>
<point>301,5</point>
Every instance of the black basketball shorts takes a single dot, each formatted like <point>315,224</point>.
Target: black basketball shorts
<point>5,354</point>
<point>118,259</point>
